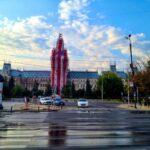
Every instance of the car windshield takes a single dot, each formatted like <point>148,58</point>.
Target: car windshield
<point>57,99</point>
<point>47,98</point>
<point>82,100</point>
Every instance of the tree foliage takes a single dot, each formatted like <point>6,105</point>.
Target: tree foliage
<point>112,85</point>
<point>48,90</point>
<point>35,89</point>
<point>73,91</point>
<point>88,89</point>
<point>27,93</point>
<point>80,93</point>
<point>66,90</point>
<point>142,80</point>
<point>8,86</point>
<point>17,91</point>
<point>6,91</point>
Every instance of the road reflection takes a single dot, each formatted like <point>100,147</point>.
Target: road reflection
<point>57,135</point>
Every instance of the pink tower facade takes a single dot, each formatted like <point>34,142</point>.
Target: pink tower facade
<point>59,66</point>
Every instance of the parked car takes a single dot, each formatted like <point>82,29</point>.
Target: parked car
<point>82,103</point>
<point>59,102</point>
<point>46,101</point>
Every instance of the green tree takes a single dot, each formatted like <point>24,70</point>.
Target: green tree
<point>96,93</point>
<point>6,90</point>
<point>40,92</point>
<point>11,84</point>
<point>17,91</point>
<point>35,89</point>
<point>142,80</point>
<point>73,91</point>
<point>66,90</point>
<point>48,90</point>
<point>112,85</point>
<point>88,89</point>
<point>80,93</point>
<point>27,93</point>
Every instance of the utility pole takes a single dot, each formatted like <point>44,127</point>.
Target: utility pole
<point>132,69</point>
<point>102,92</point>
<point>128,93</point>
<point>102,86</point>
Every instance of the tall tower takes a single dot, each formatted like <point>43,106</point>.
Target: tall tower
<point>59,66</point>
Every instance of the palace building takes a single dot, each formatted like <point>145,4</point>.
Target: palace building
<point>28,77</point>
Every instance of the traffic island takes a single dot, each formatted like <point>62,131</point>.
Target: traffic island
<point>132,108</point>
<point>32,108</point>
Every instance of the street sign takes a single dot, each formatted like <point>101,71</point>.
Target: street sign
<point>131,84</point>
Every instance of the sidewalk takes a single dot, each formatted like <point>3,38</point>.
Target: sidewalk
<point>31,107</point>
<point>131,107</point>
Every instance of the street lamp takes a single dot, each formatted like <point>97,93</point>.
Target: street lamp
<point>132,68</point>
<point>102,85</point>
<point>102,90</point>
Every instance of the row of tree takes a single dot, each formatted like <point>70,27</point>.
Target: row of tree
<point>10,89</point>
<point>112,88</point>
<point>109,83</point>
<point>69,91</point>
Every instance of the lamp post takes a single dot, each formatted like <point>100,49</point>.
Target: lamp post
<point>102,85</point>
<point>1,91</point>
<point>132,68</point>
<point>102,93</point>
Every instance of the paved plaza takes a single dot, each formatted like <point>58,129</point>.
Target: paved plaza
<point>101,126</point>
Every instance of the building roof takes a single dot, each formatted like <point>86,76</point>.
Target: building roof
<point>82,75</point>
<point>46,74</point>
<point>30,74</point>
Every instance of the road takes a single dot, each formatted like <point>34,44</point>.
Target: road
<point>101,126</point>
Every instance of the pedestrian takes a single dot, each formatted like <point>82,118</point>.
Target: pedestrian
<point>25,101</point>
<point>28,100</point>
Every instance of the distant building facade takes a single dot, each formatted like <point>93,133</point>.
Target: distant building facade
<point>27,78</point>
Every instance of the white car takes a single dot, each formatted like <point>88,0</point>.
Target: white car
<point>45,100</point>
<point>83,103</point>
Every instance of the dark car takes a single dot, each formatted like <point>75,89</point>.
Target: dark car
<point>59,102</point>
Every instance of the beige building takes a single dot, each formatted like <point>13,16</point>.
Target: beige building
<point>27,78</point>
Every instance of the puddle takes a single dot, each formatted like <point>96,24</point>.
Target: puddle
<point>57,135</point>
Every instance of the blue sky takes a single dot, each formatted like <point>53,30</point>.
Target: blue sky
<point>93,31</point>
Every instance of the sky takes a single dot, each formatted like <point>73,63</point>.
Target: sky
<point>93,30</point>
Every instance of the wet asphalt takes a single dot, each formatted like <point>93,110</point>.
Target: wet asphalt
<point>101,126</point>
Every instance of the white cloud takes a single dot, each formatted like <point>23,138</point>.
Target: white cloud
<point>68,9</point>
<point>96,41</point>
<point>30,40</point>
<point>20,39</point>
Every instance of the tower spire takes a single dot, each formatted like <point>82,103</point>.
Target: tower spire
<point>60,43</point>
<point>60,35</point>
<point>59,66</point>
